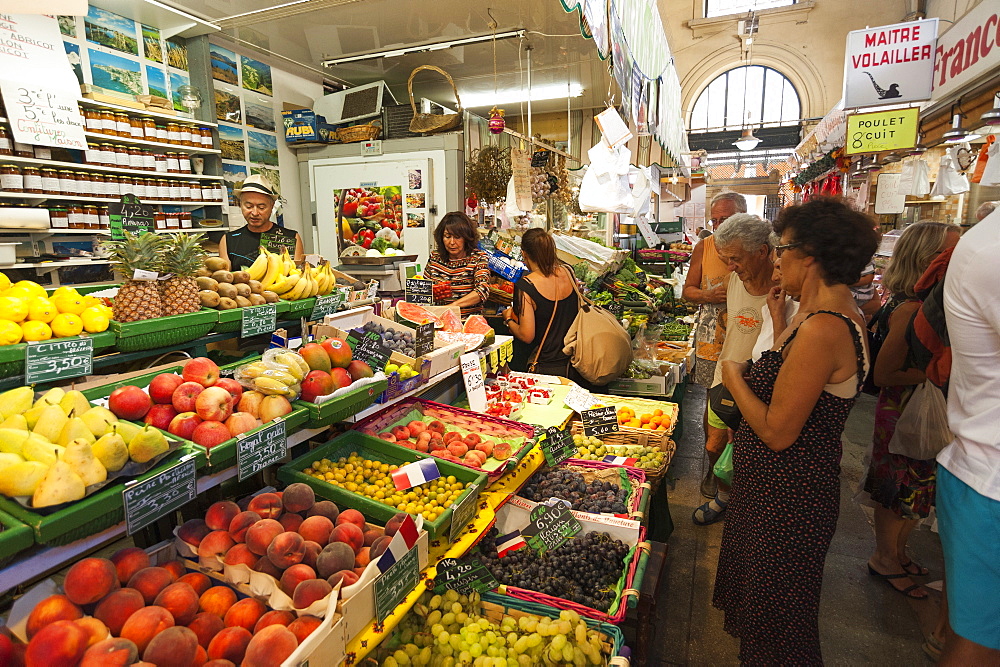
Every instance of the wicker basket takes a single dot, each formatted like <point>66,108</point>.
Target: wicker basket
<point>636,436</point>
<point>354,133</point>
<point>429,122</point>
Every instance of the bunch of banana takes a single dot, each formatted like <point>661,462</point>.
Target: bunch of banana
<point>277,273</point>
<point>280,375</point>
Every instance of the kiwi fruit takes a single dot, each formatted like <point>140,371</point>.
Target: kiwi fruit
<point>241,277</point>
<point>214,264</point>
<point>243,302</point>
<point>223,276</point>
<point>226,303</point>
<point>228,291</point>
<point>255,287</point>
<point>206,283</point>
<point>257,299</point>
<point>209,298</point>
<point>242,289</point>
<point>202,272</point>
<point>269,296</point>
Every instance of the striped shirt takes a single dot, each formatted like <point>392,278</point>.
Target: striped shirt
<point>464,275</point>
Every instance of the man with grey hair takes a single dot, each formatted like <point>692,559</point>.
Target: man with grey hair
<point>743,244</point>
<point>985,209</point>
<point>703,286</point>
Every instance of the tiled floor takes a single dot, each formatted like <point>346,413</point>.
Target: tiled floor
<point>862,622</point>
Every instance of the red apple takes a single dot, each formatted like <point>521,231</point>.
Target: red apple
<point>185,396</point>
<point>161,389</point>
<point>129,402</point>
<point>202,370</point>
<point>213,404</point>
<point>160,416</point>
<point>341,378</point>
<point>250,402</point>
<point>208,434</point>
<point>316,383</point>
<point>234,388</point>
<point>241,422</point>
<point>184,424</point>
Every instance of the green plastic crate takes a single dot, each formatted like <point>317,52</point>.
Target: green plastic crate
<point>224,455</point>
<point>164,331</point>
<point>15,538</point>
<point>295,310</point>
<point>351,403</point>
<point>232,320</point>
<point>12,356</point>
<point>380,450</point>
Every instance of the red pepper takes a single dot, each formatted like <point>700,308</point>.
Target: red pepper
<point>350,209</point>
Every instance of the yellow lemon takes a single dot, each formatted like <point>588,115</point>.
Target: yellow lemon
<point>91,301</point>
<point>69,303</point>
<point>20,292</point>
<point>67,324</point>
<point>33,287</point>
<point>36,331</point>
<point>13,308</point>
<point>108,311</point>
<point>10,332</point>
<point>94,320</point>
<point>42,310</point>
<point>4,282</point>
<point>59,291</point>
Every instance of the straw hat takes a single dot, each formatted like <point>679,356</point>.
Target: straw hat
<point>259,184</point>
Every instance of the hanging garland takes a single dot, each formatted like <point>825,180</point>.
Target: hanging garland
<point>487,173</point>
<point>817,169</point>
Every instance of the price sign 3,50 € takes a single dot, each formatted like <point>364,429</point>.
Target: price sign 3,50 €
<point>58,359</point>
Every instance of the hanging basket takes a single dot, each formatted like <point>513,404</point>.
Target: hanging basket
<point>429,122</point>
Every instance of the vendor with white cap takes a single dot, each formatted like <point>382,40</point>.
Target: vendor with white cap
<point>242,246</point>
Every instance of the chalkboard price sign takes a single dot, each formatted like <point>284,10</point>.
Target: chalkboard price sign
<point>158,496</point>
<point>462,512</point>
<point>557,446</point>
<point>367,346</point>
<point>424,342</point>
<point>259,320</point>
<point>256,451</point>
<point>58,359</point>
<point>329,303</point>
<point>550,527</point>
<point>463,576</point>
<point>395,583</point>
<point>419,291</point>
<point>540,158</point>
<point>129,215</point>
<point>600,421</point>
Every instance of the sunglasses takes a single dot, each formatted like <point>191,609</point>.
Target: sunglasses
<point>780,249</point>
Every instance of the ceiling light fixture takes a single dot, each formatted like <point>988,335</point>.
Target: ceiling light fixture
<point>422,48</point>
<point>747,142</point>
<point>991,118</point>
<point>555,91</point>
<point>957,134</point>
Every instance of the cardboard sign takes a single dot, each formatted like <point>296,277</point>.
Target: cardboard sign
<point>648,235</point>
<point>463,512</point>
<point>58,359</point>
<point>158,496</point>
<point>419,291</point>
<point>395,584</point>
<point>424,340</point>
<point>520,163</point>
<point>43,116</point>
<point>557,446</point>
<point>579,399</point>
<point>129,215</point>
<point>882,131</point>
<point>367,346</point>
<point>472,376</point>
<point>888,199</point>
<point>259,320</point>
<point>599,421</point>
<point>258,450</point>
<point>329,303</point>
<point>550,527</point>
<point>463,576</point>
<point>890,64</point>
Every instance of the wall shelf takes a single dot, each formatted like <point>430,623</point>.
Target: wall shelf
<point>109,138</point>
<point>145,112</point>
<point>107,200</point>
<point>112,170</point>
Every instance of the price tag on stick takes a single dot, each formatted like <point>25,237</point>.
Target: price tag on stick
<point>395,584</point>
<point>463,512</point>
<point>550,527</point>
<point>367,346</point>
<point>600,421</point>
<point>463,576</point>
<point>129,215</point>
<point>52,360</point>
<point>259,449</point>
<point>259,320</point>
<point>557,446</point>
<point>158,496</point>
<point>472,375</point>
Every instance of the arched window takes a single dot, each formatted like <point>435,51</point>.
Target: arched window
<point>727,7</point>
<point>748,95</point>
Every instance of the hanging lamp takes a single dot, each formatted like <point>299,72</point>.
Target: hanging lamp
<point>957,134</point>
<point>747,142</point>
<point>991,118</point>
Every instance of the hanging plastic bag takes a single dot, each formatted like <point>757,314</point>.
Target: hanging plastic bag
<point>991,172</point>
<point>949,181</point>
<point>981,159</point>
<point>724,466</point>
<point>922,428</point>
<point>921,178</point>
<point>905,177</point>
<point>605,186</point>
<point>510,207</point>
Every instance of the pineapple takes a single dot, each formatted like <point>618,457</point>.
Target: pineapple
<point>137,299</point>
<point>183,258</point>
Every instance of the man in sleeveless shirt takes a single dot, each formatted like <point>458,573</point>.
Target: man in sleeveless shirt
<point>743,243</point>
<point>704,286</point>
<point>241,246</point>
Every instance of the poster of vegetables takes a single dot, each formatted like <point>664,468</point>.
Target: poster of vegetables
<point>370,217</point>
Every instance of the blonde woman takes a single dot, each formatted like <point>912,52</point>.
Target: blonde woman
<point>901,489</point>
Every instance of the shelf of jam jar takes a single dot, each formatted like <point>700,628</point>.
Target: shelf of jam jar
<point>115,139</point>
<point>52,231</point>
<point>86,166</point>
<point>57,264</point>
<point>165,202</point>
<point>145,112</point>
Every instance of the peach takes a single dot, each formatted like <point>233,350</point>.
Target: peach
<point>219,662</point>
<point>298,497</point>
<point>180,600</point>
<point>274,406</point>
<point>265,566</point>
<point>379,546</point>
<point>271,646</point>
<point>89,580</point>
<point>115,652</point>
<point>416,427</point>
<point>59,643</point>
<point>217,600</point>
<point>286,549</point>
<point>240,523</point>
<point>240,554</point>
<point>128,561</point>
<point>221,514</point>
<point>451,436</point>
<point>115,609</point>
<point>458,448</point>
<point>274,617</point>
<point>150,581</point>
<point>230,644</point>
<point>472,439</point>
<point>145,624</point>
<point>174,567</point>
<point>51,609</point>
<point>95,629</point>
<point>174,647</point>
<point>206,626</point>
<point>393,524</point>
<point>425,436</point>
<point>200,656</point>
<point>436,445</point>
<point>310,591</point>
<point>196,580</point>
<point>311,553</point>
<point>294,576</point>
<point>193,531</point>
<point>245,614</point>
<point>326,508</point>
<point>202,370</point>
<point>260,535</point>
<point>343,577</point>
<point>240,422</point>
<point>363,557</point>
<point>352,516</point>
<point>437,427</point>
<point>303,626</point>
<point>401,433</point>
<point>291,521</point>
<point>372,534</point>
<point>216,544</point>
<point>422,445</point>
<point>350,534</point>
<point>334,557</point>
<point>267,505</point>
<point>501,451</point>
<point>388,437</point>
<point>471,460</point>
<point>317,529</point>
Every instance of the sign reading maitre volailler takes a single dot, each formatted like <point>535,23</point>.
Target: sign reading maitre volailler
<point>890,64</point>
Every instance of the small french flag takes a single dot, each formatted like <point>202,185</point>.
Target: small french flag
<point>510,542</point>
<point>401,542</point>
<point>415,473</point>
<point>620,460</point>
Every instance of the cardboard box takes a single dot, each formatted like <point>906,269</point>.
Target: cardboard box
<point>658,385</point>
<point>303,125</point>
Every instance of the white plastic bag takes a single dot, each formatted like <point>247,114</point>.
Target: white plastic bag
<point>605,186</point>
<point>949,180</point>
<point>922,429</point>
<point>991,172</point>
<point>510,208</point>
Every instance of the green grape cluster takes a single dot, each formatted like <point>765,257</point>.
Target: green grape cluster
<point>448,631</point>
<point>590,448</point>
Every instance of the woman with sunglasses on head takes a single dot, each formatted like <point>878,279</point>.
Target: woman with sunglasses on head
<point>794,400</point>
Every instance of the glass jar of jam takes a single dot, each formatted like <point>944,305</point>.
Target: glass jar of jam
<point>161,162</point>
<point>6,147</point>
<point>93,153</point>
<point>173,133</point>
<point>50,181</point>
<point>11,178</point>
<point>121,156</point>
<point>177,191</point>
<point>108,157</point>
<point>136,128</point>
<point>163,189</point>
<point>148,161</point>
<point>206,137</point>
<point>173,166</point>
<point>32,180</point>
<point>93,122</point>
<point>97,186</point>
<point>159,220</point>
<point>58,218</point>
<point>184,163</point>
<point>123,125</point>
<point>149,129</point>
<point>91,216</point>
<point>161,133</point>
<point>67,182</point>
<point>195,188</point>
<point>135,158</point>
<point>172,221</point>
<point>185,189</point>
<point>42,153</point>
<point>104,217</point>
<point>185,134</point>
<point>84,184</point>
<point>112,186</point>
<point>76,219</point>
<point>23,150</point>
<point>109,125</point>
<point>126,185</point>
<point>139,187</point>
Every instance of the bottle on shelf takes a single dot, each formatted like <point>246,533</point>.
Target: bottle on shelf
<point>11,178</point>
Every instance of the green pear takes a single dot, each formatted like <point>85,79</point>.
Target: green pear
<point>38,449</point>
<point>51,397</point>
<point>112,451</point>
<point>21,479</point>
<point>60,485</point>
<point>127,430</point>
<point>9,459</point>
<point>99,420</point>
<point>74,403</point>
<point>16,422</point>
<point>12,441</point>
<point>80,456</point>
<point>32,415</point>
<point>51,423</point>
<point>147,445</point>
<point>16,401</point>
<point>75,429</point>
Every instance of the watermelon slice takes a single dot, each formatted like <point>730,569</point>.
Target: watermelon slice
<point>469,340</point>
<point>451,321</point>
<point>477,324</point>
<point>415,313</point>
